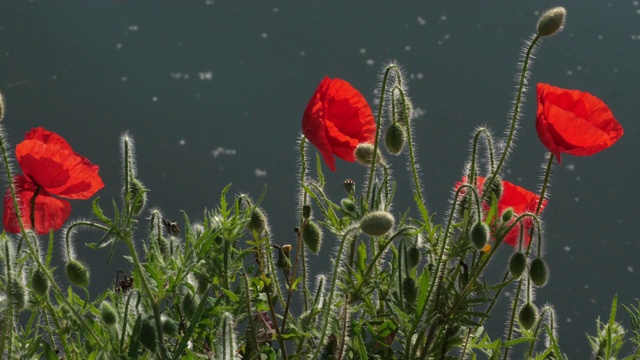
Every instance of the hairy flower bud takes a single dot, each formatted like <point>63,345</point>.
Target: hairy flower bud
<point>189,304</point>
<point>409,290</point>
<point>284,262</point>
<point>400,109</point>
<point>539,272</point>
<point>364,154</point>
<point>395,138</point>
<point>312,236</point>
<point>169,326</point>
<point>148,333</point>
<point>138,196</point>
<point>413,257</point>
<point>39,282</point>
<point>552,21</point>
<point>528,315</point>
<point>77,273</point>
<point>507,215</point>
<point>497,188</point>
<point>348,205</point>
<point>18,295</point>
<point>306,211</point>
<point>377,223</point>
<point>517,264</point>
<point>258,221</point>
<point>480,234</point>
<point>107,313</point>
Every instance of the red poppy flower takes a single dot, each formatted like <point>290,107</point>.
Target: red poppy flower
<point>574,122</point>
<point>337,119</point>
<point>50,167</point>
<point>521,201</point>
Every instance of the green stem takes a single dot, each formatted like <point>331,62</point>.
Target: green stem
<point>412,157</point>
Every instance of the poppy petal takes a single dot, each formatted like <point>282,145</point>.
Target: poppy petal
<point>574,122</point>
<point>48,160</point>
<point>337,119</point>
<point>50,213</point>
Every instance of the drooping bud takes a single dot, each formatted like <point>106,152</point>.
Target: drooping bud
<point>395,138</point>
<point>377,223</point>
<point>169,326</point>
<point>312,236</point>
<point>39,282</point>
<point>552,21</point>
<point>138,196</point>
<point>306,211</point>
<point>517,264</point>
<point>188,304</point>
<point>539,272</point>
<point>413,257</point>
<point>18,295</point>
<point>77,273</point>
<point>258,221</point>
<point>108,313</point>
<point>364,154</point>
<point>409,290</point>
<point>348,205</point>
<point>400,109</point>
<point>148,333</point>
<point>528,315</point>
<point>497,188</point>
<point>284,262</point>
<point>480,234</point>
<point>349,186</point>
<point>507,215</point>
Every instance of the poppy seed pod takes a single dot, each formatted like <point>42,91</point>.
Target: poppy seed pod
<point>349,186</point>
<point>539,272</point>
<point>348,205</point>
<point>108,313</point>
<point>377,223</point>
<point>77,273</point>
<point>528,315</point>
<point>312,236</point>
<point>364,154</point>
<point>517,264</point>
<point>395,138</point>
<point>552,21</point>
<point>148,334</point>
<point>39,282</point>
<point>479,234</point>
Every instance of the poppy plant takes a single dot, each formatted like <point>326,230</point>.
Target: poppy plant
<point>337,119</point>
<point>50,168</point>
<point>521,201</point>
<point>574,122</point>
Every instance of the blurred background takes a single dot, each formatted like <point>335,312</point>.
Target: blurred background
<point>213,93</point>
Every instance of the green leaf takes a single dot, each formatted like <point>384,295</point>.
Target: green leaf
<point>232,296</point>
<point>423,289</point>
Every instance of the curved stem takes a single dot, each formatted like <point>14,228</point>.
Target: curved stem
<point>410,146</point>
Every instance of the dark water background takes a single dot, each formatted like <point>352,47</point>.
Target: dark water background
<point>213,93</point>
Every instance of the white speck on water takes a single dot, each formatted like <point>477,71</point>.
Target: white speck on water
<point>407,48</point>
<point>275,10</point>
<point>123,79</point>
<point>567,248</point>
<point>422,21</point>
<point>177,76</point>
<point>222,151</point>
<point>154,99</point>
<point>578,178</point>
<point>205,75</point>
<point>600,37</point>
<point>570,167</point>
<point>133,28</point>
<point>569,72</point>
<point>182,142</point>
<point>260,172</point>
<point>638,11</point>
<point>443,17</point>
<point>635,3</point>
<point>576,199</point>
<point>119,46</point>
<point>370,62</point>
<point>362,51</point>
<point>209,2</point>
<point>568,319</point>
<point>579,68</point>
<point>629,269</point>
<point>302,53</point>
<point>264,35</point>
<point>418,76</point>
<point>586,286</point>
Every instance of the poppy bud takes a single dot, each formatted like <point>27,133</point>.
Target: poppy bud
<point>463,205</point>
<point>312,236</point>
<point>188,305</point>
<point>284,262</point>
<point>108,313</point>
<point>139,201</point>
<point>395,138</point>
<point>163,245</point>
<point>169,326</point>
<point>364,154</point>
<point>348,205</point>
<point>400,113</point>
<point>528,315</point>
<point>377,223</point>
<point>479,234</point>
<point>148,334</point>
<point>539,272</point>
<point>77,273</point>
<point>18,295</point>
<point>517,264</point>
<point>497,188</point>
<point>551,21</point>
<point>39,282</point>
<point>202,283</point>
<point>349,186</point>
<point>306,211</point>
<point>507,215</point>
<point>413,257</point>
<point>258,221</point>
<point>409,290</point>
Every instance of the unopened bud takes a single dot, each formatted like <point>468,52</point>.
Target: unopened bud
<point>258,221</point>
<point>395,138</point>
<point>108,313</point>
<point>409,290</point>
<point>188,304</point>
<point>284,262</point>
<point>377,223</point>
<point>517,264</point>
<point>77,273</point>
<point>480,234</point>
<point>413,257</point>
<point>39,282</point>
<point>312,236</point>
<point>306,211</point>
<point>528,315</point>
<point>400,115</point>
<point>138,196</point>
<point>552,21</point>
<point>496,188</point>
<point>148,333</point>
<point>507,215</point>
<point>18,295</point>
<point>348,205</point>
<point>169,326</point>
<point>364,154</point>
<point>539,272</point>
